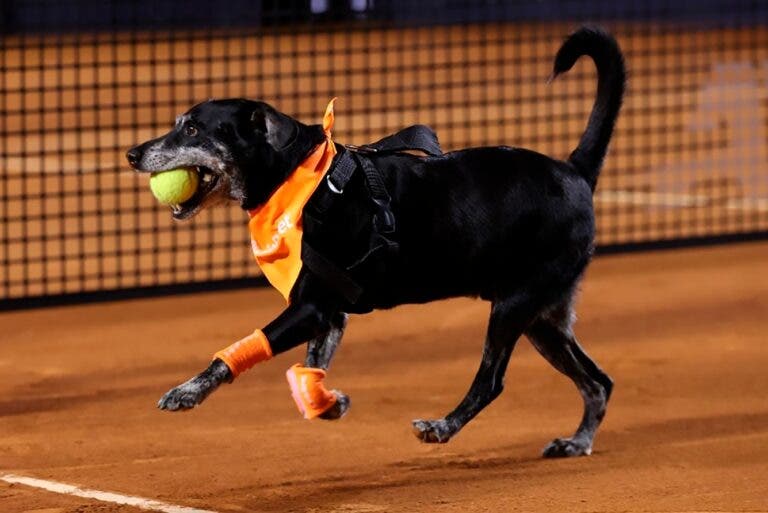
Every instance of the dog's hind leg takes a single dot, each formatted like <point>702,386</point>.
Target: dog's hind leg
<point>551,334</point>
<point>320,351</point>
<point>508,320</point>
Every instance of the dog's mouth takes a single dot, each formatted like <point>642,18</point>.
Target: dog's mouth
<point>208,182</point>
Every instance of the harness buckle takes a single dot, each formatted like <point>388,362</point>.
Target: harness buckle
<point>334,189</point>
<point>384,219</point>
<point>365,148</point>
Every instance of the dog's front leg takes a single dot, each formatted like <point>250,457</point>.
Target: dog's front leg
<point>300,322</point>
<point>320,350</point>
<point>193,392</point>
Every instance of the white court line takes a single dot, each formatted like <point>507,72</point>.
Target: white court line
<point>668,199</point>
<point>116,498</point>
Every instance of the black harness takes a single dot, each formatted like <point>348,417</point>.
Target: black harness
<point>350,160</point>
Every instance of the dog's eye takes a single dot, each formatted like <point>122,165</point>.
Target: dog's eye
<point>190,130</point>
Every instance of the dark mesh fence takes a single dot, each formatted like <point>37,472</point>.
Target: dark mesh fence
<point>83,80</point>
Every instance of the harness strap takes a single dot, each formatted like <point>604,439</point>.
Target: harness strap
<point>341,173</point>
<point>384,219</point>
<point>349,159</point>
<point>416,137</point>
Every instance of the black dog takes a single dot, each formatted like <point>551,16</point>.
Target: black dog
<point>509,225</point>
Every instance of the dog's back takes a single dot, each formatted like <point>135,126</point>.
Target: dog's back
<point>484,221</point>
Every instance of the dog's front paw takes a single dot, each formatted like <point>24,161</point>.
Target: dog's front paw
<point>339,408</point>
<point>567,447</point>
<point>432,431</point>
<point>183,397</point>
<point>193,392</point>
<point>187,395</point>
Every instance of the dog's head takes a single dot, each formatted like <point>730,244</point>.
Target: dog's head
<point>242,150</point>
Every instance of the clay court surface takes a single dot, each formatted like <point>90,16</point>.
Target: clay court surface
<point>681,332</point>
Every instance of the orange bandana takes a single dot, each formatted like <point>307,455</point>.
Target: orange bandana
<point>276,226</point>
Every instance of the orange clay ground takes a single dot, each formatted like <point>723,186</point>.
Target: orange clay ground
<point>683,333</point>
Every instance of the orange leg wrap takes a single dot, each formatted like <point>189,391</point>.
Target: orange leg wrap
<point>308,390</point>
<point>245,353</point>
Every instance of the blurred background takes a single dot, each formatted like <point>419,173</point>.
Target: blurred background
<point>83,80</point>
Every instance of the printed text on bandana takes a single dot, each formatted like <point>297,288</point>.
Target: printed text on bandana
<point>283,225</point>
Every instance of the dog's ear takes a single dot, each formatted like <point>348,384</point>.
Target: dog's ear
<point>279,130</point>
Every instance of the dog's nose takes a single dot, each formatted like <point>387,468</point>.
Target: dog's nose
<point>133,155</point>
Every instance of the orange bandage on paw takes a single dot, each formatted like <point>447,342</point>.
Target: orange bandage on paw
<point>245,353</point>
<point>308,390</point>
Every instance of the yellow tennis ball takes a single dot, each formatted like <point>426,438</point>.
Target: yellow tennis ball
<point>174,186</point>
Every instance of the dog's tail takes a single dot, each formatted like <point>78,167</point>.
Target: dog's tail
<point>588,156</point>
